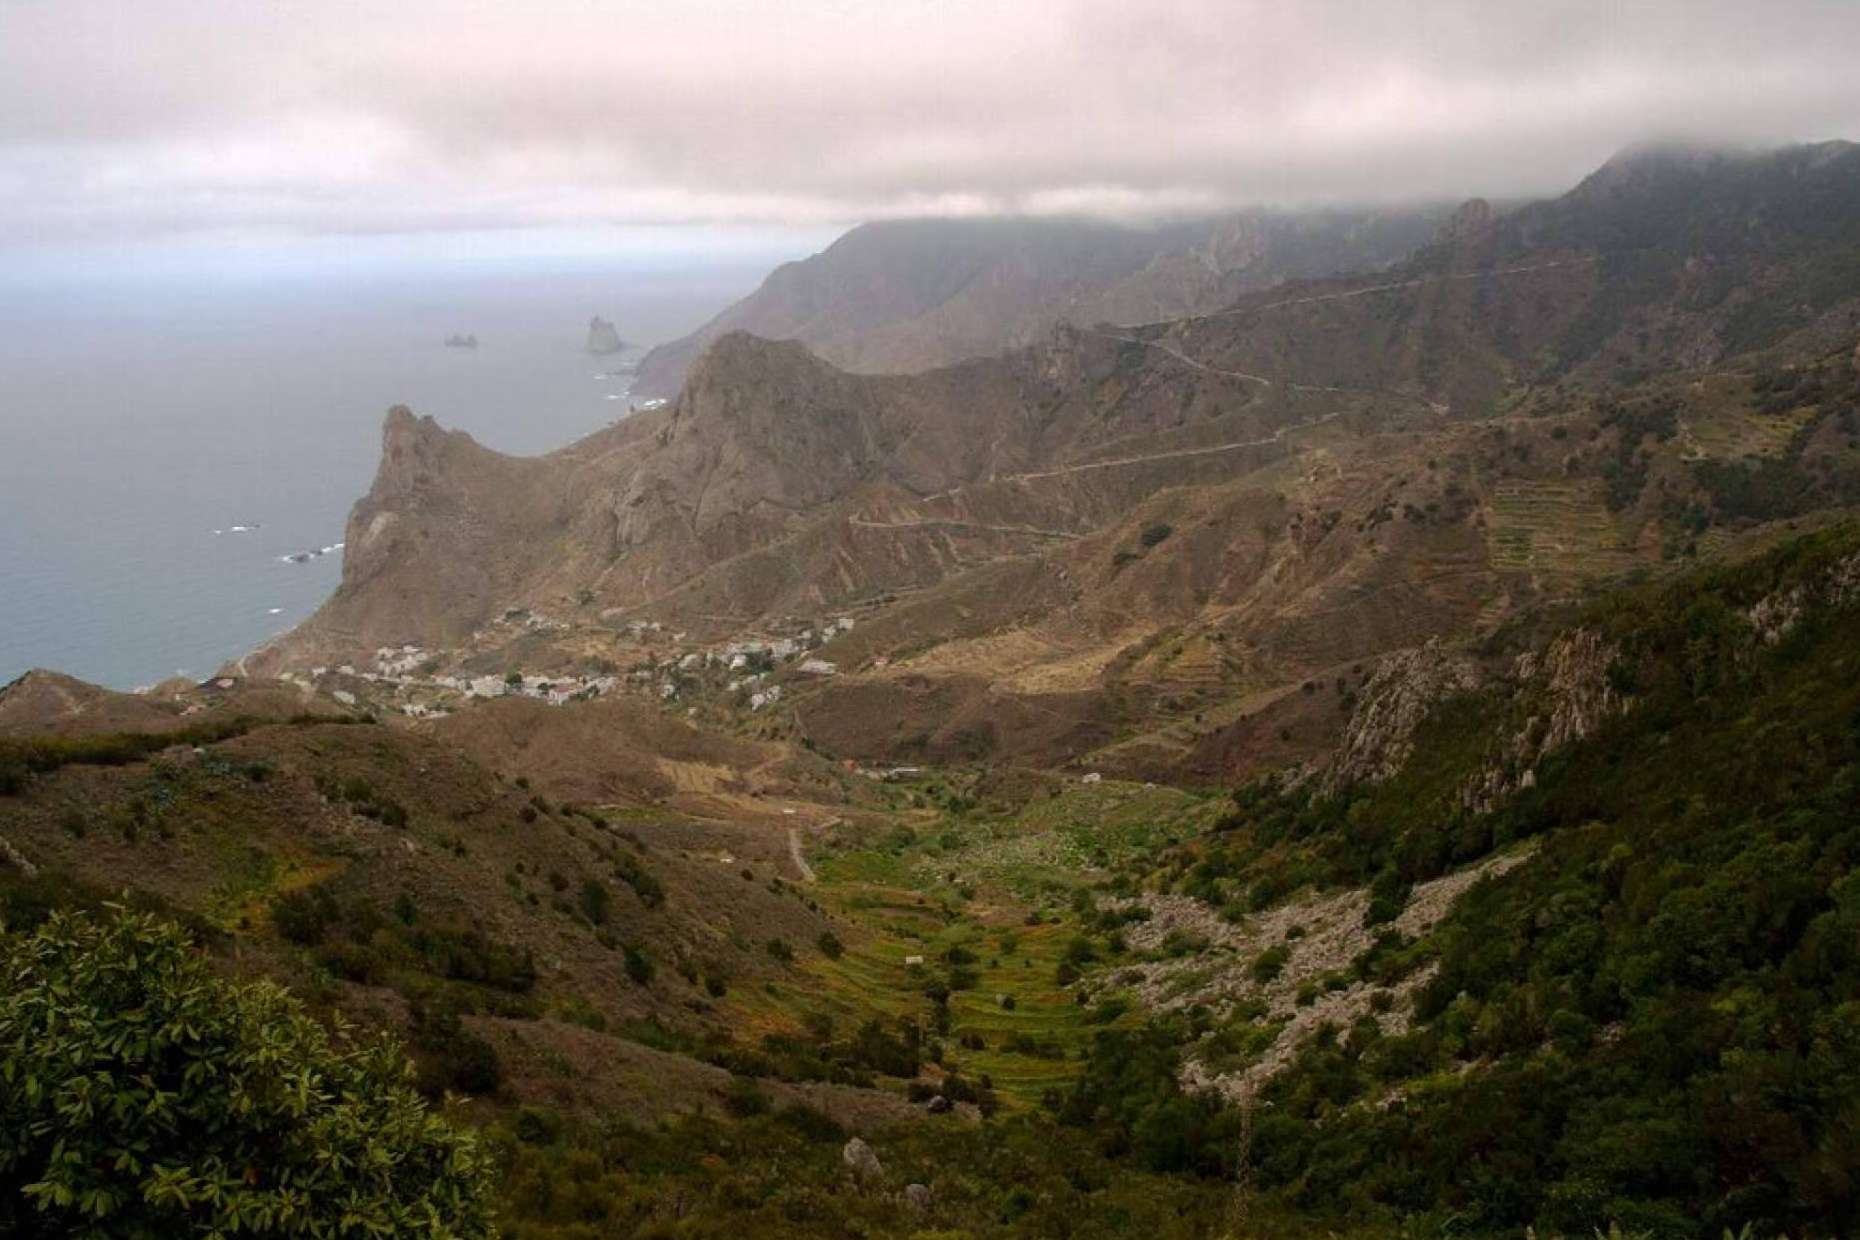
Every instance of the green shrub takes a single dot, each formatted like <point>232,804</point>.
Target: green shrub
<point>1270,963</point>
<point>304,916</point>
<point>144,1095</point>
<point>743,1098</point>
<point>596,902</point>
<point>650,891</point>
<point>450,1057</point>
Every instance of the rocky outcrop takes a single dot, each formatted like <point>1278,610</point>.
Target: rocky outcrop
<point>603,337</point>
<point>1570,693</point>
<point>1401,692</point>
<point>16,858</point>
<point>861,1160</point>
<point>1775,614</point>
<point>1318,938</point>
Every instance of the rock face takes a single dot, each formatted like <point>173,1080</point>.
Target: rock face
<point>1403,689</point>
<point>603,337</point>
<point>1568,685</point>
<point>858,1156</point>
<point>1776,613</point>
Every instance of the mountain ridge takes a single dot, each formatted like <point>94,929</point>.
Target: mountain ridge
<point>905,295</point>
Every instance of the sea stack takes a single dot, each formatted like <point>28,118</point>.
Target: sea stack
<point>602,338</point>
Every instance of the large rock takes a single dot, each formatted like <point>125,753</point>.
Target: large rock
<point>603,337</point>
<point>859,1156</point>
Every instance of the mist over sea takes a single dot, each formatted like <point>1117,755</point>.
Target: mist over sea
<point>146,404</point>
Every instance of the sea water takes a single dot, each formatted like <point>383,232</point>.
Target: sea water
<point>172,432</point>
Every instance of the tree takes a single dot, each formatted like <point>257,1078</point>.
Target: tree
<point>142,1094</point>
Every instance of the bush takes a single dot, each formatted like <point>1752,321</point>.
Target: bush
<point>743,1098</point>
<point>226,1108</point>
<point>596,902</point>
<point>830,945</point>
<point>1270,963</point>
<point>1154,534</point>
<point>650,890</point>
<point>811,1124</point>
<point>304,916</point>
<point>452,1057</point>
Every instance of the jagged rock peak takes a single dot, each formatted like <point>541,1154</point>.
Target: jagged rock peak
<point>603,337</point>
<point>737,358</point>
<point>403,429</point>
<point>741,346</point>
<point>1472,218</point>
<point>412,448</point>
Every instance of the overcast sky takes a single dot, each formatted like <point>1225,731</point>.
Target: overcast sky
<point>156,117</point>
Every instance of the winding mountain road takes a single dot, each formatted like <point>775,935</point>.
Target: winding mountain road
<point>863,523</point>
<point>805,870</point>
<point>1368,289</point>
<point>1180,356</point>
<point>1177,454</point>
<point>1347,294</point>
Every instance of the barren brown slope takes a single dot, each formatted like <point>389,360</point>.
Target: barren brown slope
<point>1175,519</point>
<point>765,443</point>
<point>909,295</point>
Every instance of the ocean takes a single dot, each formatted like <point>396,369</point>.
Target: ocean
<point>171,431</point>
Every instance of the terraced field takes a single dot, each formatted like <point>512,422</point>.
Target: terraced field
<point>1030,1028</point>
<point>1562,528</point>
<point>985,899</point>
<point>1730,433</point>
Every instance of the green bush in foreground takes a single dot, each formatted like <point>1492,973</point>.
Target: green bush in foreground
<point>141,1094</point>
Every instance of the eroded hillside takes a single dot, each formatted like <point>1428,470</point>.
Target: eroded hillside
<point>1164,550</point>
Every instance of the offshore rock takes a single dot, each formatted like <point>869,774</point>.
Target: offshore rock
<point>603,337</point>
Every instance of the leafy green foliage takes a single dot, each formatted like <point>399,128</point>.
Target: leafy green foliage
<point>645,884</point>
<point>774,1171</point>
<point>1651,1020</point>
<point>1128,1099</point>
<point>1625,475</point>
<point>143,1095</point>
<point>38,755</point>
